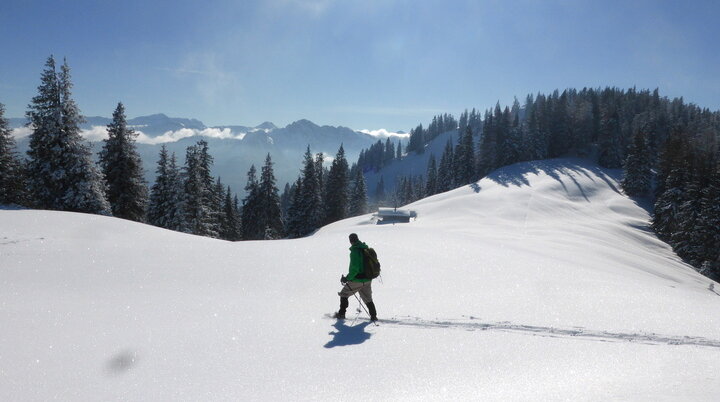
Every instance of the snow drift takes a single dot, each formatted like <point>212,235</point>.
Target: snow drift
<point>539,282</point>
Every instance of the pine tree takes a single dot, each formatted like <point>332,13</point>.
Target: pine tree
<point>464,162</point>
<point>672,190</point>
<point>269,203</point>
<point>685,238</point>
<point>431,184</point>
<point>512,147</point>
<point>419,188</point>
<point>200,204</point>
<point>122,167</point>
<point>389,152</point>
<point>285,200</point>
<point>609,137</point>
<point>446,179</point>
<point>237,211</point>
<point>252,228</point>
<point>380,190</point>
<point>708,226</point>
<point>638,169</point>
<point>488,144</point>
<point>219,211</point>
<point>417,140</point>
<point>310,212</point>
<point>336,190</point>
<point>12,181</point>
<point>358,196</point>
<point>560,133</point>
<point>536,147</point>
<point>167,196</point>
<point>463,123</point>
<point>295,224</point>
<point>667,204</point>
<point>230,228</point>
<point>61,171</point>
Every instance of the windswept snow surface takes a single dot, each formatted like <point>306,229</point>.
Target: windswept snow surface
<point>540,282</point>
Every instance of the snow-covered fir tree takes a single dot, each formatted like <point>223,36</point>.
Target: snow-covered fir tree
<point>126,188</point>
<point>609,138</point>
<point>512,149</point>
<point>417,140</point>
<point>252,228</point>
<point>12,182</point>
<point>321,175</point>
<point>380,195</point>
<point>389,152</point>
<point>358,195</point>
<point>167,195</point>
<point>638,167</point>
<point>708,226</point>
<point>310,212</point>
<point>61,172</point>
<point>269,203</point>
<point>487,152</point>
<point>286,199</point>
<point>536,142</point>
<point>336,190</point>
<point>230,225</point>
<point>432,180</point>
<point>295,226</point>
<point>200,205</point>
<point>445,175</point>
<point>685,238</point>
<point>664,220</point>
<point>559,130</point>
<point>464,161</point>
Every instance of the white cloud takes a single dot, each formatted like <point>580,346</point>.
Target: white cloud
<point>96,133</point>
<point>383,133</point>
<point>21,132</point>
<point>99,133</point>
<point>174,136</point>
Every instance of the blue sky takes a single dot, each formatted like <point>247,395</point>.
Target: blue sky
<point>363,64</point>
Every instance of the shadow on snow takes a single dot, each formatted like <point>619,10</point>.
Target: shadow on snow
<point>345,335</point>
<point>516,175</point>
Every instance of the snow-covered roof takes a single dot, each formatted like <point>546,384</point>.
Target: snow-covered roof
<point>395,212</point>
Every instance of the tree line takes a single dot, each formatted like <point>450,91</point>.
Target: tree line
<point>668,150</point>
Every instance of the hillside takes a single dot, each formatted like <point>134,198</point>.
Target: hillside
<point>540,282</point>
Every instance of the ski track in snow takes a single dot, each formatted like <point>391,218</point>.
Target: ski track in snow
<point>575,332</point>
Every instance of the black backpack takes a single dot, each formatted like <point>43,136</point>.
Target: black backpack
<point>371,265</point>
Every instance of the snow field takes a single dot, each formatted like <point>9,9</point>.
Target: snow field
<point>541,282</point>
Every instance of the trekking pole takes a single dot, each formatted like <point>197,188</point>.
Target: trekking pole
<point>363,306</point>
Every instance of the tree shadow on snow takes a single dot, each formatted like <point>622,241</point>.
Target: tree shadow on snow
<point>345,335</point>
<point>516,175</point>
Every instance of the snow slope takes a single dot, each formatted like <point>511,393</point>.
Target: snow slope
<point>540,282</point>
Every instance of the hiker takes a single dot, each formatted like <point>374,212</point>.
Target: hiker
<point>354,282</point>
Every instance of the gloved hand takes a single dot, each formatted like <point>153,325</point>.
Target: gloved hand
<point>343,279</point>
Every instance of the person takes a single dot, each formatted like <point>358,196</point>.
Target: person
<point>354,281</point>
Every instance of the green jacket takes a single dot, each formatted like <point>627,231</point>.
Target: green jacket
<point>356,263</point>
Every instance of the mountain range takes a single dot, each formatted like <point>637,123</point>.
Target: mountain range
<point>234,147</point>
